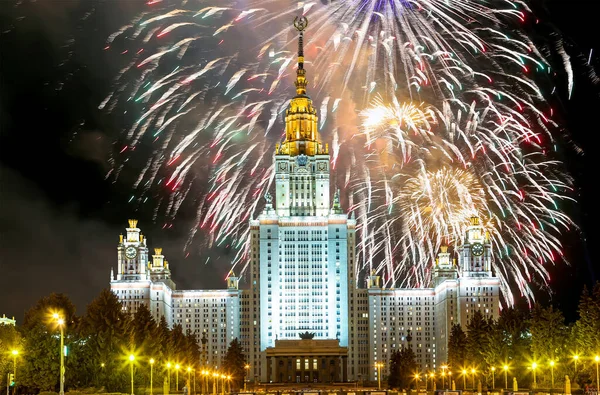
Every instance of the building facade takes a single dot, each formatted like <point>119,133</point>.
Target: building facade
<point>301,280</point>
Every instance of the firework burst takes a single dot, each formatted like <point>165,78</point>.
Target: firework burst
<point>468,128</point>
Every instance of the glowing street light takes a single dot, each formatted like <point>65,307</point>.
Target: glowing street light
<point>131,359</point>
<point>552,376</point>
<point>169,374</point>
<point>464,372</point>
<point>177,377</point>
<point>473,373</point>
<point>151,366</point>
<point>533,367</point>
<point>505,368</point>
<point>61,322</point>
<point>417,377</point>
<point>575,359</point>
<point>597,359</point>
<point>215,378</point>
<point>246,368</point>
<point>493,377</point>
<point>14,354</point>
<point>379,365</point>
<point>189,382</point>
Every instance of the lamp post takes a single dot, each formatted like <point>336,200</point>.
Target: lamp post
<point>493,378</point>
<point>246,368</point>
<point>552,376</point>
<point>151,365</point>
<point>597,359</point>
<point>444,367</point>
<point>505,368</point>
<point>169,375</point>
<point>464,372</point>
<point>177,377</point>
<point>473,373</point>
<point>229,383</point>
<point>432,375</point>
<point>189,382</point>
<point>379,365</point>
<point>14,354</point>
<point>417,377</point>
<point>131,359</point>
<point>215,377</point>
<point>575,359</point>
<point>533,367</point>
<point>61,322</point>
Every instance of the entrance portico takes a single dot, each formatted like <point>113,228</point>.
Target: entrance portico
<point>307,361</point>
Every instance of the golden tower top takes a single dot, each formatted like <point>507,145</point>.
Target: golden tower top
<point>301,121</point>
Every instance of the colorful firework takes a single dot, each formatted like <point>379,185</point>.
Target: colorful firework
<point>207,85</point>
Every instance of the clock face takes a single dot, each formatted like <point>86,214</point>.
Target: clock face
<point>130,252</point>
<point>477,249</point>
<point>322,166</point>
<point>302,160</point>
<point>282,166</point>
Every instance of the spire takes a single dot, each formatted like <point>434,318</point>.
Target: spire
<point>300,23</point>
<point>301,121</point>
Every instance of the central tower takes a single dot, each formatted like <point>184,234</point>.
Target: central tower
<point>301,161</point>
<point>302,245</point>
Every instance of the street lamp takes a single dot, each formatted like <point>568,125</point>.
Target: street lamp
<point>533,367</point>
<point>61,322</point>
<point>246,367</point>
<point>189,382</point>
<point>14,354</point>
<point>151,366</point>
<point>464,372</point>
<point>444,367</point>
<point>432,375</point>
<point>379,365</point>
<point>552,376</point>
<point>177,377</point>
<point>223,384</point>
<point>505,368</point>
<point>169,374</point>
<point>131,359</point>
<point>493,378</point>
<point>473,373</point>
<point>597,359</point>
<point>215,378</point>
<point>575,359</point>
<point>417,377</point>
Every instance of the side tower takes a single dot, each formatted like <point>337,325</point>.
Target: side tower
<point>139,281</point>
<point>478,289</point>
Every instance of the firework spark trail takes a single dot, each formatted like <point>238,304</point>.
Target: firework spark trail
<point>467,129</point>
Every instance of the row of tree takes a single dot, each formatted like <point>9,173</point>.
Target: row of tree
<point>538,339</point>
<point>98,346</point>
<point>517,340</point>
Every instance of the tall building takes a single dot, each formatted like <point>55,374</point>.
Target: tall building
<point>300,316</point>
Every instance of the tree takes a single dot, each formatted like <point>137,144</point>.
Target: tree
<point>403,366</point>
<point>513,330</point>
<point>104,330</point>
<point>10,339</point>
<point>41,333</point>
<point>477,339</point>
<point>234,363</point>
<point>548,333</point>
<point>586,331</point>
<point>457,348</point>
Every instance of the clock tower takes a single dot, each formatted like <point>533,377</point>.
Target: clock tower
<point>132,254</point>
<point>475,254</point>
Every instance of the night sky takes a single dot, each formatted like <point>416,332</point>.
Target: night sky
<point>60,218</point>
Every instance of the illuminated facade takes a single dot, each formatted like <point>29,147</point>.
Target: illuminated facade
<point>301,279</point>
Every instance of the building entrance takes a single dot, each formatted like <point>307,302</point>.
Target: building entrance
<point>307,361</point>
